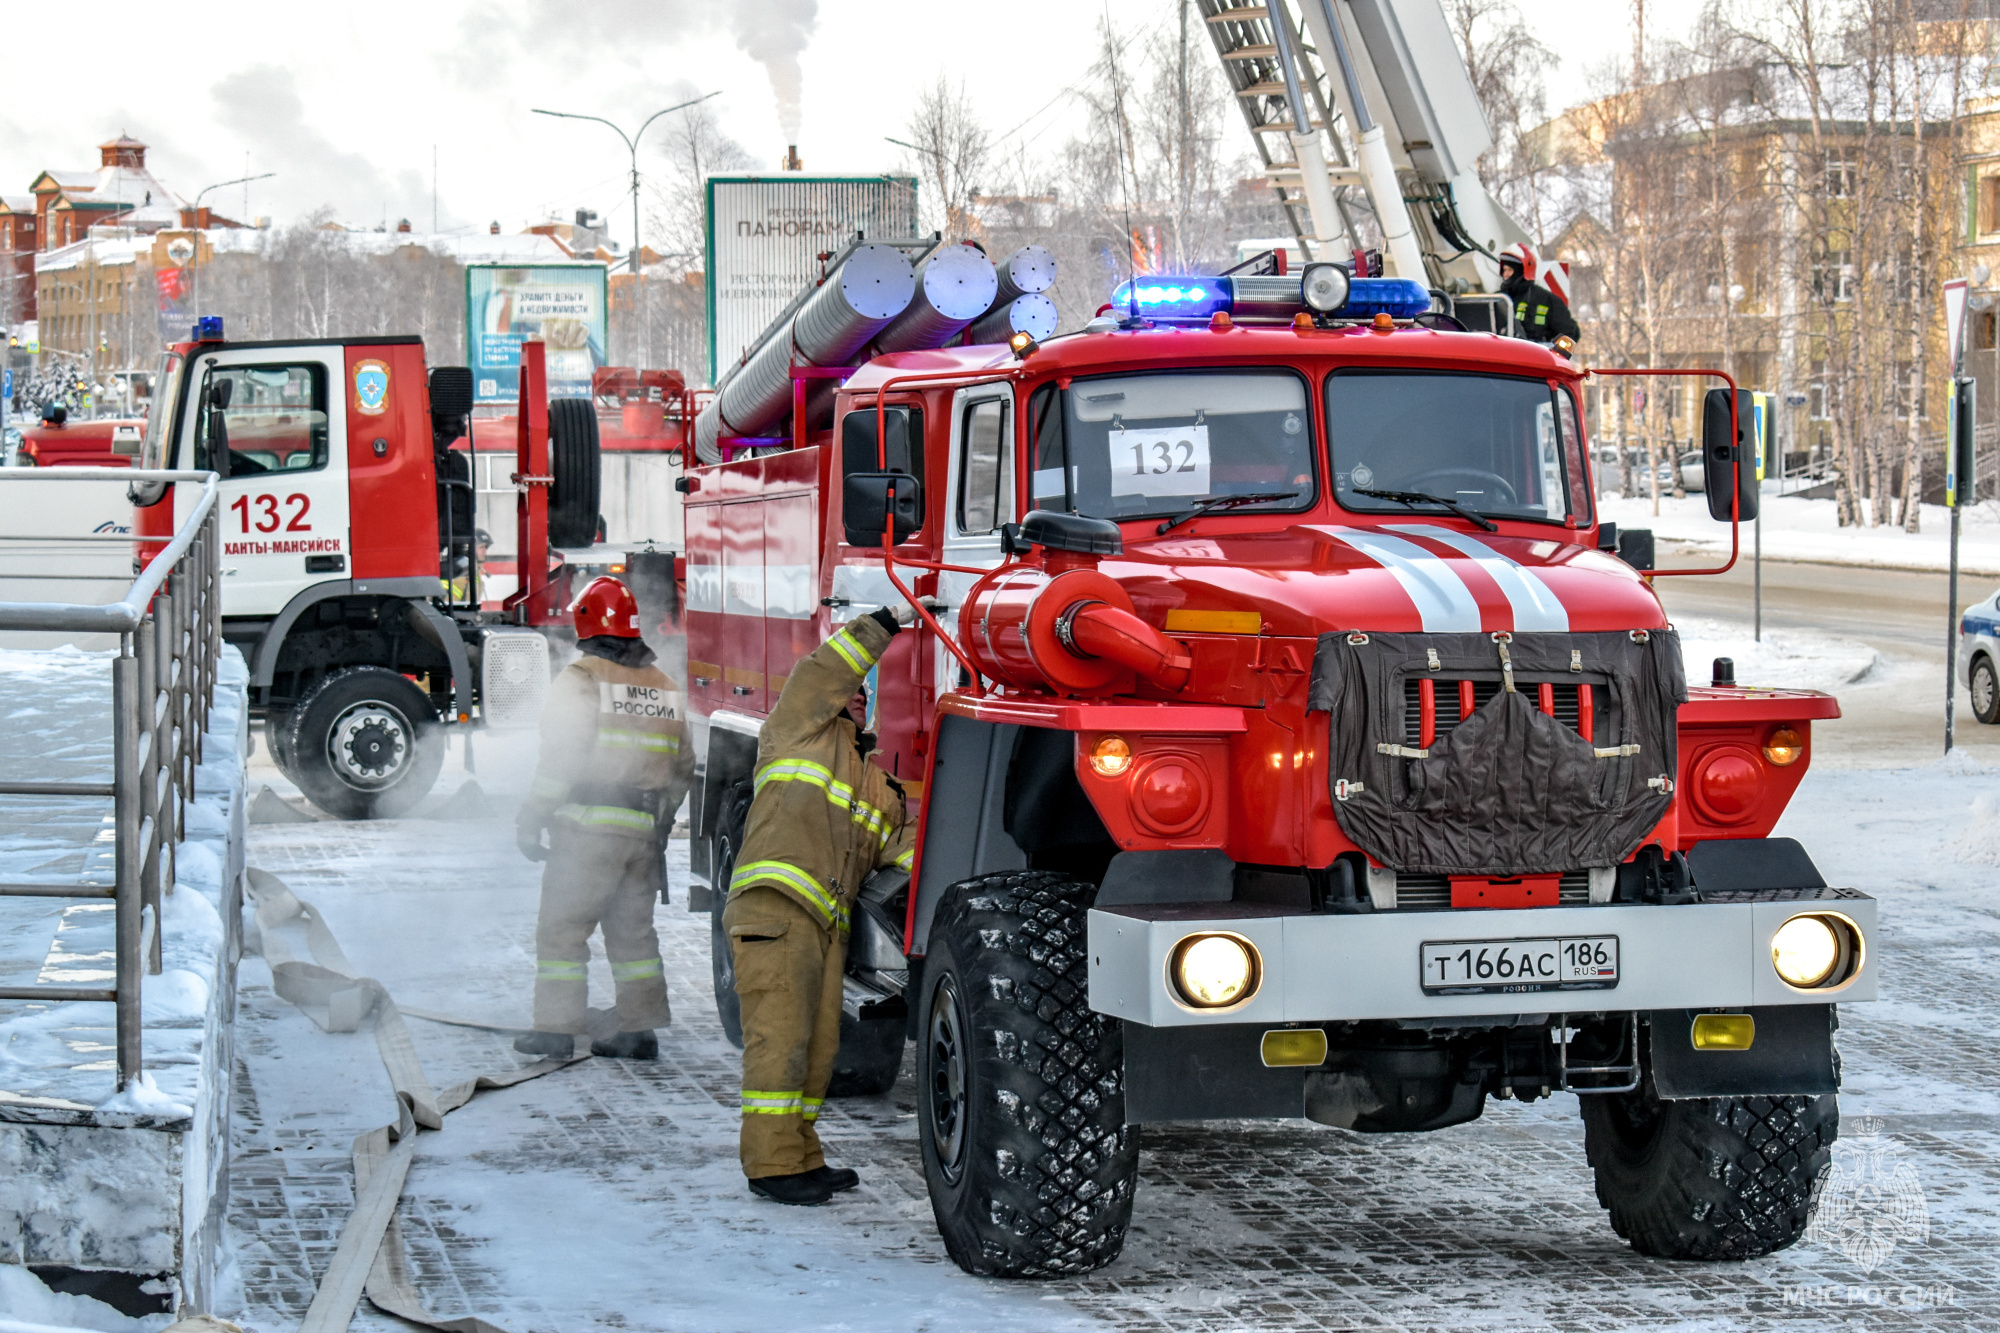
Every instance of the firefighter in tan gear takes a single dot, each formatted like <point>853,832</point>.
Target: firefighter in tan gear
<point>615,763</point>
<point>822,820</point>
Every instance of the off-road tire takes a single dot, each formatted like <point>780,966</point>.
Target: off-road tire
<point>404,717</point>
<point>1983,682</point>
<point>1020,1084</point>
<point>1710,1178</point>
<point>575,463</point>
<point>721,963</point>
<point>278,739</point>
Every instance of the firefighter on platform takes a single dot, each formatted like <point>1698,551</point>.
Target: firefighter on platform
<point>822,820</point>
<point>1539,314</point>
<point>615,763</point>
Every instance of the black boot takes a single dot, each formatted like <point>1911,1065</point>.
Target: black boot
<point>629,1046</point>
<point>803,1188</point>
<point>559,1044</point>
<point>836,1178</point>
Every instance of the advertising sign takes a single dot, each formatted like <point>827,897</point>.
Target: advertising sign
<point>765,235</point>
<point>562,305</point>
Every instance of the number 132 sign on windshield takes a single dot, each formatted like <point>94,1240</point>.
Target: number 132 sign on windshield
<point>1167,461</point>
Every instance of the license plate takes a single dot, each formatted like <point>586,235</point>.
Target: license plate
<point>1503,967</point>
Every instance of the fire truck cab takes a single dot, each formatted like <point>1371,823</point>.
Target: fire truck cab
<point>338,532</point>
<point>1291,741</point>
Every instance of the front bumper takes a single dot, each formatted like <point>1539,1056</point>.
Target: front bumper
<point>1338,968</point>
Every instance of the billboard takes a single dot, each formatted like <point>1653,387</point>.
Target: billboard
<point>563,305</point>
<point>764,238</point>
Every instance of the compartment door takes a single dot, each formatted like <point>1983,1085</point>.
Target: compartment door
<point>791,584</point>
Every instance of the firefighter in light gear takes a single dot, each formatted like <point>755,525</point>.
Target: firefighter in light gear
<point>822,820</point>
<point>1539,314</point>
<point>615,763</point>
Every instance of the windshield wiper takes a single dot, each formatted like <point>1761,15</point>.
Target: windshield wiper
<point>1223,502</point>
<point>1425,497</point>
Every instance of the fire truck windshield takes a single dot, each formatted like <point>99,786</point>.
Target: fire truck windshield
<point>1157,444</point>
<point>1497,445</point>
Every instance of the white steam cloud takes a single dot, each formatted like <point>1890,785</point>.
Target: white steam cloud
<point>775,33</point>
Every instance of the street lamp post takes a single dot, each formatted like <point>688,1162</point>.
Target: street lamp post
<point>195,262</point>
<point>632,147</point>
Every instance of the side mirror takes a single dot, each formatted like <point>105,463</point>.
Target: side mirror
<point>869,499</point>
<point>146,494</point>
<point>1728,460</point>
<point>1635,547</point>
<point>451,402</point>
<point>902,447</point>
<point>220,392</point>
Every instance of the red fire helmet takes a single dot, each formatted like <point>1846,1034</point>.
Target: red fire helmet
<point>1523,256</point>
<point>606,607</point>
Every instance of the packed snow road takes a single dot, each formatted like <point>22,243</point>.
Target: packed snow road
<point>607,1195</point>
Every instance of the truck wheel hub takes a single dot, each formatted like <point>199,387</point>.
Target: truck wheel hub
<point>370,746</point>
<point>947,1081</point>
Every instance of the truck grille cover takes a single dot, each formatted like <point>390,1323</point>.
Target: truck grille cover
<point>1506,789</point>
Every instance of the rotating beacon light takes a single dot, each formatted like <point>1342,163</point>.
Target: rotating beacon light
<point>1323,289</point>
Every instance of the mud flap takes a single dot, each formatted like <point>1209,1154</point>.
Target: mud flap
<point>1792,1055</point>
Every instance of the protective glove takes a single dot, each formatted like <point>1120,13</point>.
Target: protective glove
<point>903,614</point>
<point>528,837</point>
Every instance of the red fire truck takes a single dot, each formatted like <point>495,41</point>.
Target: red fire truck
<point>345,504</point>
<point>1292,741</point>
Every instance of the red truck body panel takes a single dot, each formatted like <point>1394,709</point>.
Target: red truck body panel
<point>392,493</point>
<point>1233,758</point>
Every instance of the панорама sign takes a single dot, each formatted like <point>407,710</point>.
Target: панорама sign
<point>765,236</point>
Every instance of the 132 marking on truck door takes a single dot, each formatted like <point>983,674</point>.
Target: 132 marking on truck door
<point>268,513</point>
<point>1486,967</point>
<point>263,519</point>
<point>637,700</point>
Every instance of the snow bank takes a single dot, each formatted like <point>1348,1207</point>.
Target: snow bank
<point>30,1307</point>
<point>143,1098</point>
<point>1799,529</point>
<point>1786,659</point>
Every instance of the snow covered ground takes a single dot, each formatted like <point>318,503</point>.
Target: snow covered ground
<point>607,1195</point>
<point>1785,659</point>
<point>1799,529</point>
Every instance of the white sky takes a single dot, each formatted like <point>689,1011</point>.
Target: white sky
<point>346,102</point>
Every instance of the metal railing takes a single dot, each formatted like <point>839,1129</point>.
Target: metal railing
<point>169,627</point>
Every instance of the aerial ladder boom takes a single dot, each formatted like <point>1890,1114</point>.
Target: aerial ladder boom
<point>1372,98</point>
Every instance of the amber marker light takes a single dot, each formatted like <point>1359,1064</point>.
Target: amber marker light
<point>1784,747</point>
<point>1023,345</point>
<point>1111,756</point>
<point>1215,971</point>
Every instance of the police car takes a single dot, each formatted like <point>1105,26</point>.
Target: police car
<point>1979,657</point>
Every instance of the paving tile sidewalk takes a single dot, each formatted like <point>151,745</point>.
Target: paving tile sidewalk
<point>607,1195</point>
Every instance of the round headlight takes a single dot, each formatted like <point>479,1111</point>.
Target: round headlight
<point>1215,971</point>
<point>1816,950</point>
<point>1324,287</point>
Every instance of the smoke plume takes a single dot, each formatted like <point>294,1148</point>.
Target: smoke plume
<point>774,33</point>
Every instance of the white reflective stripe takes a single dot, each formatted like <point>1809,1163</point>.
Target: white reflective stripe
<point>789,592</point>
<point>704,587</point>
<point>742,587</point>
<point>1443,601</point>
<point>1536,608</point>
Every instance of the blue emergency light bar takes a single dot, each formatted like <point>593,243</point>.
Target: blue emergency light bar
<point>1195,300</point>
<point>208,329</point>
